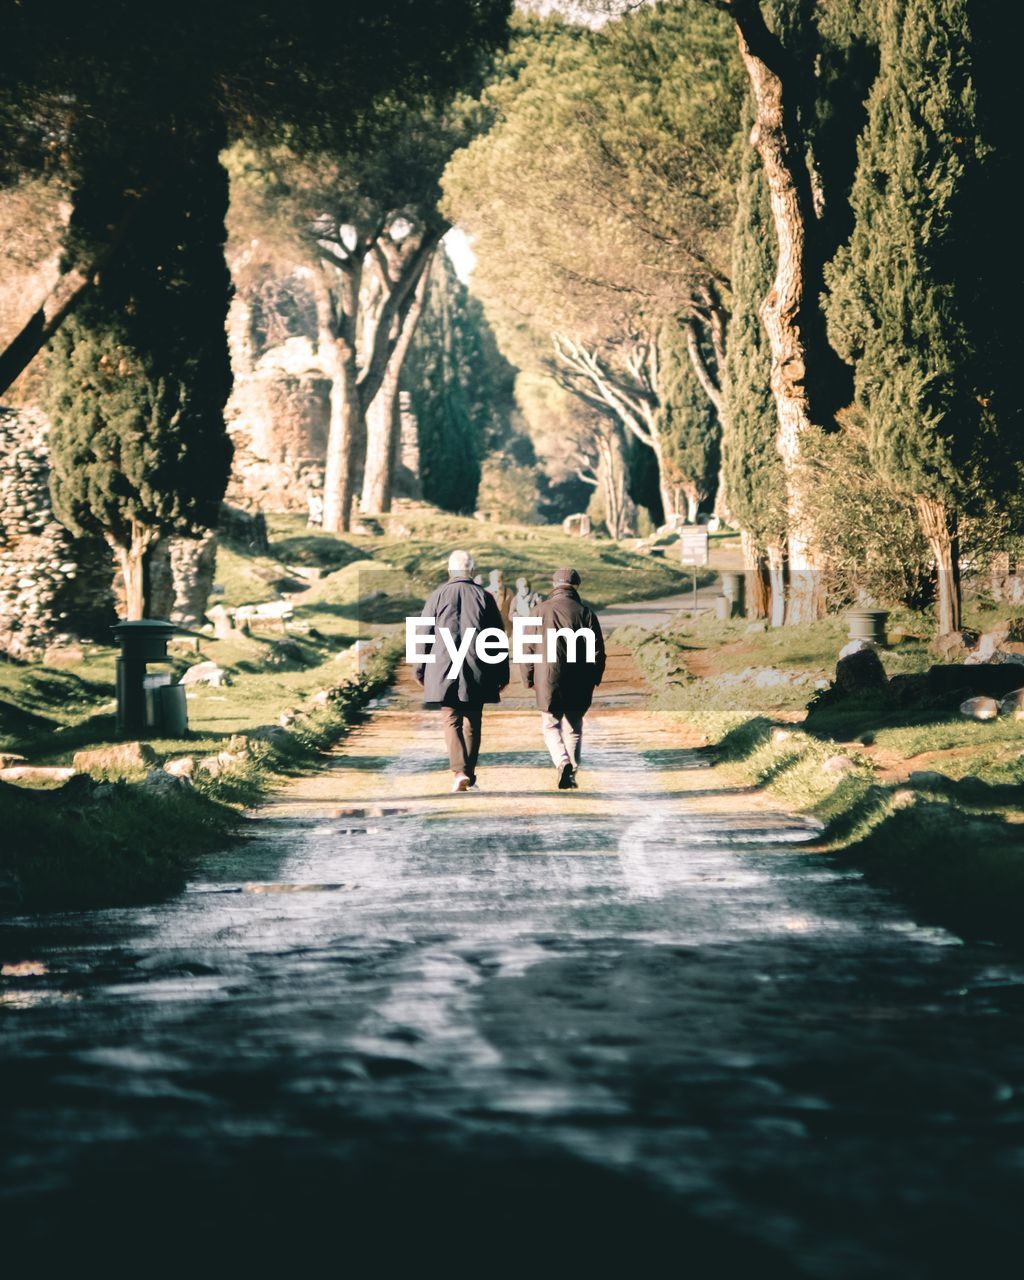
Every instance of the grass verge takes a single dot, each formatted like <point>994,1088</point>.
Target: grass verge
<point>109,841</point>
<point>926,802</point>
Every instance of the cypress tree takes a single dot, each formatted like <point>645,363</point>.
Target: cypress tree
<point>442,373</point>
<point>139,376</point>
<point>752,470</point>
<point>642,470</point>
<point>688,424</point>
<point>898,308</point>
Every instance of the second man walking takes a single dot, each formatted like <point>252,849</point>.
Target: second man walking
<point>565,689</point>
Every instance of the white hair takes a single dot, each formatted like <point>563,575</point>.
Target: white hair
<point>461,562</point>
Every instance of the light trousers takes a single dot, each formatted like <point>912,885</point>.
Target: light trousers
<point>563,737</point>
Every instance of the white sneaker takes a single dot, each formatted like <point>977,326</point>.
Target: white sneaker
<point>461,783</point>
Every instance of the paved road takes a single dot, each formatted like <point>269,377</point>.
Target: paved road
<point>654,613</point>
<point>634,1028</point>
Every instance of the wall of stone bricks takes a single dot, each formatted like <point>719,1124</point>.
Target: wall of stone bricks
<point>53,586</point>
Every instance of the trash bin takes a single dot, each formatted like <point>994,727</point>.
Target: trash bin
<point>173,711</point>
<point>734,589</point>
<point>143,701</point>
<point>151,686</point>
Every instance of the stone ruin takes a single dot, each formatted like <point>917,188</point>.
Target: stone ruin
<point>181,572</point>
<point>56,588</point>
<point>279,412</point>
<point>278,417</point>
<point>53,586</point>
<point>280,406</point>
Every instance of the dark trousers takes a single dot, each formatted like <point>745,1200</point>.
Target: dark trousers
<point>461,723</point>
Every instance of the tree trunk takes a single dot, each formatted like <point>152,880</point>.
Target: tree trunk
<point>612,484</point>
<point>132,559</point>
<point>342,442</point>
<point>806,595</point>
<point>64,297</point>
<point>669,494</point>
<point>612,479</point>
<point>381,435</point>
<point>777,585</point>
<point>790,311</point>
<point>383,425</point>
<point>758,587</point>
<point>939,525</point>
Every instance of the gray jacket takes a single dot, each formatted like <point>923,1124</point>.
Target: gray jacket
<point>458,605</point>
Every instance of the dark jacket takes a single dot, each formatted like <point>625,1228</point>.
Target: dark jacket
<point>459,605</point>
<point>561,685</point>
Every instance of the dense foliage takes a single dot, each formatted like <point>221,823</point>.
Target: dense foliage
<point>688,425</point>
<point>139,376</point>
<point>755,253</point>
<point>460,389</point>
<point>902,306</point>
<point>751,468</point>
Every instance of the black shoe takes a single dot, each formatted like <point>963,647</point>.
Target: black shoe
<point>573,783</point>
<point>565,777</point>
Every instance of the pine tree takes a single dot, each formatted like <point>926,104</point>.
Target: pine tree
<point>898,295</point>
<point>752,470</point>
<point>139,376</point>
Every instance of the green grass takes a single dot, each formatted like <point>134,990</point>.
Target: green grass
<point>956,854</point>
<point>980,742</point>
<point>80,846</point>
<point>955,851</point>
<point>132,847</point>
<point>417,543</point>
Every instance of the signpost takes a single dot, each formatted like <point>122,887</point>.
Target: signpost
<point>693,551</point>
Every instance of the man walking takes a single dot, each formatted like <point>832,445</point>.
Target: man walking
<point>460,605</point>
<point>503,598</point>
<point>565,689</point>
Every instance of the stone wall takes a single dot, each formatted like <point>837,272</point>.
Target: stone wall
<point>53,586</point>
<point>181,572</point>
<point>279,411</point>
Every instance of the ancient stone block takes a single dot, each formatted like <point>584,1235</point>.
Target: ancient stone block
<point>118,756</point>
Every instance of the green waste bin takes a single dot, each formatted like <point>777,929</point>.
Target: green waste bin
<point>145,705</point>
<point>173,711</point>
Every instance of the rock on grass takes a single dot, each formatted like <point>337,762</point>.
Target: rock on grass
<point>116,758</point>
<point>980,708</point>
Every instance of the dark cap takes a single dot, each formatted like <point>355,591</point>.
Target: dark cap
<point>566,578</point>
